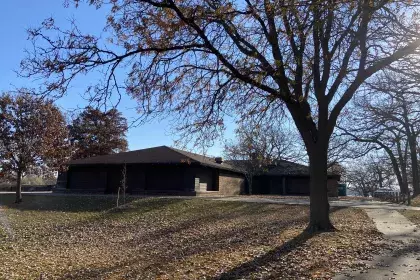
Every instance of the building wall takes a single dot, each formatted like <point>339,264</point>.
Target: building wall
<point>276,185</point>
<point>87,178</point>
<point>293,185</point>
<point>261,185</point>
<point>164,178</point>
<point>231,184</point>
<point>136,179</point>
<point>297,185</point>
<point>200,178</point>
<point>180,179</point>
<point>332,185</point>
<point>141,179</point>
<point>281,185</point>
<point>114,178</point>
<point>206,179</point>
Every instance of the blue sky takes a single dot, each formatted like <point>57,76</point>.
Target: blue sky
<point>18,15</point>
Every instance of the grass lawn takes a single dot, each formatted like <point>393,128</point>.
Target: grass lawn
<point>412,215</point>
<point>153,238</point>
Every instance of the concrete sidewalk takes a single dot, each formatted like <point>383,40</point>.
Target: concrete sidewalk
<point>402,260</point>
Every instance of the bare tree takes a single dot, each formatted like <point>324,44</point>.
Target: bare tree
<point>372,174</point>
<point>395,147</point>
<point>258,145</point>
<point>401,111</point>
<point>201,60</point>
<point>342,150</point>
<point>389,118</point>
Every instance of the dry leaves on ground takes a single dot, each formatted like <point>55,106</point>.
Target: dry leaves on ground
<point>180,239</point>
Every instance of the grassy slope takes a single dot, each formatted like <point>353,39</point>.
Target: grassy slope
<point>416,201</point>
<point>412,215</point>
<point>85,238</point>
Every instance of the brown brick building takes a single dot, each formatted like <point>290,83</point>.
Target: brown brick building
<point>159,170</point>
<point>289,178</point>
<point>166,170</point>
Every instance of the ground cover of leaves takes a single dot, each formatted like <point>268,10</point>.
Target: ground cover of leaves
<point>415,201</point>
<point>157,238</point>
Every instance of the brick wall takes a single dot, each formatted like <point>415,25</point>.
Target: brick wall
<point>230,184</point>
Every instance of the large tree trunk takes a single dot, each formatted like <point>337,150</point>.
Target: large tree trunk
<point>397,163</point>
<point>414,165</point>
<point>319,205</point>
<point>412,144</point>
<point>380,179</point>
<point>18,187</point>
<point>404,188</point>
<point>404,175</point>
<point>316,138</point>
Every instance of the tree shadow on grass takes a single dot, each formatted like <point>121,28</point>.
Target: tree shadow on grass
<point>241,271</point>
<point>177,247</point>
<point>238,237</point>
<point>254,265</point>
<point>234,237</point>
<point>229,210</point>
<point>151,267</point>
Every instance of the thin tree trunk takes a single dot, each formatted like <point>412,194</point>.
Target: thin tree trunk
<point>399,166</point>
<point>118,197</point>
<point>404,188</point>
<point>250,184</point>
<point>124,195</point>
<point>124,185</point>
<point>18,187</point>
<point>380,178</point>
<point>408,197</point>
<point>405,175</point>
<point>319,205</point>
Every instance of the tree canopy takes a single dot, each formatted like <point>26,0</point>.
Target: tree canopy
<point>95,133</point>
<point>370,175</point>
<point>258,145</point>
<point>33,132</point>
<point>203,60</point>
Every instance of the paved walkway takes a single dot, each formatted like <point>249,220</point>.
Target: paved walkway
<point>402,260</point>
